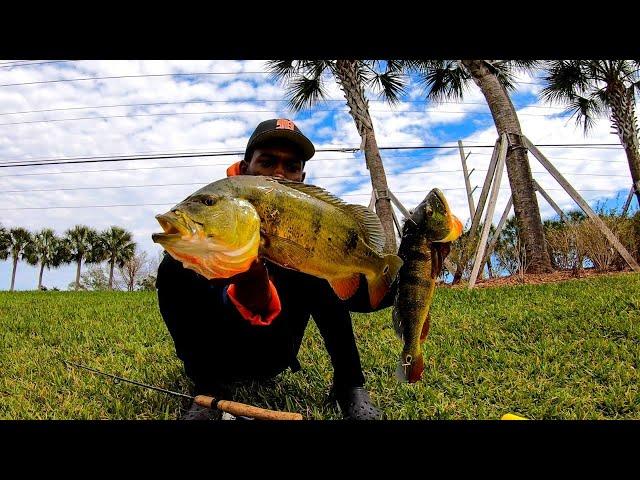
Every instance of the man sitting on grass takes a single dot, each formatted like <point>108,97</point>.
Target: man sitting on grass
<point>251,327</point>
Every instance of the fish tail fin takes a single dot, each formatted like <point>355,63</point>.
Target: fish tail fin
<point>379,284</point>
<point>411,371</point>
<point>398,325</point>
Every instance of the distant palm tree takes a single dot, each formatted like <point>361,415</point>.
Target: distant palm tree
<point>448,79</point>
<point>595,88</point>
<point>117,247</point>
<point>4,243</point>
<point>18,242</point>
<point>305,82</point>
<point>82,243</point>
<point>46,250</point>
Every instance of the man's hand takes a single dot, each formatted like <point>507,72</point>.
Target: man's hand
<point>252,287</point>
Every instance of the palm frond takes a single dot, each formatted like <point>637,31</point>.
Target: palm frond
<point>18,242</point>
<point>565,79</point>
<point>390,85</point>
<point>315,68</point>
<point>504,74</point>
<point>443,79</point>
<point>282,69</point>
<point>585,110</point>
<point>304,92</point>
<point>524,65</point>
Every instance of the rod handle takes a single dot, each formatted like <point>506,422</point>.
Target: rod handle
<point>244,410</point>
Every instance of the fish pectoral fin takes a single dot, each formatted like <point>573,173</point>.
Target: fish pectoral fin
<point>398,326</point>
<point>346,287</point>
<point>425,328</point>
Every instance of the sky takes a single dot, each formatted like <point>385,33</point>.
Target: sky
<point>91,108</point>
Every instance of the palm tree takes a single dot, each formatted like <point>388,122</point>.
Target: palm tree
<point>4,243</point>
<point>448,79</point>
<point>595,88</point>
<point>18,243</point>
<point>305,87</point>
<point>117,247</point>
<point>46,250</point>
<point>82,243</point>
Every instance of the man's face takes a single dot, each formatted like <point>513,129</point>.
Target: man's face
<point>279,160</point>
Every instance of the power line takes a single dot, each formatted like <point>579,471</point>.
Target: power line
<point>176,166</point>
<point>125,158</point>
<point>238,112</point>
<point>345,149</point>
<point>173,203</point>
<point>387,157</point>
<point>314,177</point>
<point>34,63</point>
<point>113,77</point>
<point>153,104</point>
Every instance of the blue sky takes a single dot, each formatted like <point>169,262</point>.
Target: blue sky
<point>237,103</point>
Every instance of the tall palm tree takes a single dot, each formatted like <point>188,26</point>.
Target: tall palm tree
<point>305,87</point>
<point>82,243</point>
<point>595,88</point>
<point>18,243</point>
<point>46,250</point>
<point>448,79</point>
<point>117,247</point>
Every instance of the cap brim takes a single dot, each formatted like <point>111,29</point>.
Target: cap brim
<point>308,150</point>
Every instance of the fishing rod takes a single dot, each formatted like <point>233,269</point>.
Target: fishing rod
<point>234,408</point>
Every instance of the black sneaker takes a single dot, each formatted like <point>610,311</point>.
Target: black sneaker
<point>355,404</point>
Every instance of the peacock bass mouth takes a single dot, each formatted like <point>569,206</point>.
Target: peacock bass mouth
<point>210,255</point>
<point>175,226</point>
<point>454,223</point>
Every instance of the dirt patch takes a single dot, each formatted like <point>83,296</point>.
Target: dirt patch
<point>536,278</point>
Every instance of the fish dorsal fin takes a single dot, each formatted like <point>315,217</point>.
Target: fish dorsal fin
<point>372,231</point>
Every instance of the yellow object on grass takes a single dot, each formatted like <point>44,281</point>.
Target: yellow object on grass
<point>511,416</point>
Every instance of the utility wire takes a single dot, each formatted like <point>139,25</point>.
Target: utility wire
<point>310,177</point>
<point>153,104</point>
<point>173,203</point>
<point>114,77</point>
<point>390,157</point>
<point>34,63</point>
<point>241,112</point>
<point>72,160</point>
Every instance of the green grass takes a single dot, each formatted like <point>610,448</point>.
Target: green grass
<point>557,351</point>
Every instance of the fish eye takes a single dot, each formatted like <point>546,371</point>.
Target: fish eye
<point>208,201</point>
<point>429,211</point>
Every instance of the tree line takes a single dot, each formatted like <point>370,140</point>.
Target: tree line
<point>80,245</point>
<point>588,88</point>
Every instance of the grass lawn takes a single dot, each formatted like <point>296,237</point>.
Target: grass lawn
<point>566,350</point>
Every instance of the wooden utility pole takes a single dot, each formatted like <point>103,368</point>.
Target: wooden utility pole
<point>467,183</point>
<point>582,204</point>
<point>497,177</point>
